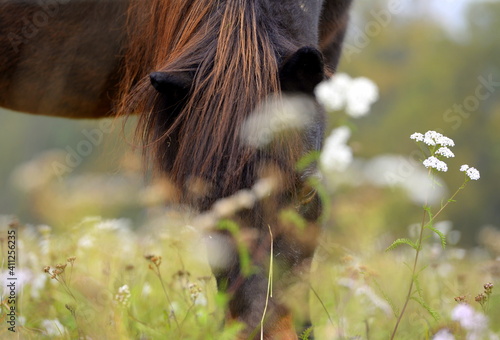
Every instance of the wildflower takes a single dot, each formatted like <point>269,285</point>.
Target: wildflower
<point>331,93</point>
<point>343,92</point>
<point>464,167</point>
<point>360,96</point>
<point>431,136</point>
<point>444,141</point>
<point>146,289</point>
<point>275,116</point>
<point>417,137</point>
<point>336,154</point>
<point>433,162</point>
<point>469,319</point>
<point>473,174</point>
<point>443,334</point>
<point>123,295</point>
<point>444,151</point>
<point>488,288</point>
<point>53,328</point>
<point>481,298</point>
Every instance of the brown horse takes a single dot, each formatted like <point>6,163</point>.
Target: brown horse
<point>194,70</point>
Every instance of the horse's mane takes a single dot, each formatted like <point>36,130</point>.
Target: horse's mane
<point>234,59</point>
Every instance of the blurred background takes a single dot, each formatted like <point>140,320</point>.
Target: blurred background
<point>436,63</point>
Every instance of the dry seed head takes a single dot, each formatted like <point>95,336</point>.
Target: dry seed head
<point>46,269</point>
<point>156,260</point>
<point>460,299</point>
<point>481,298</point>
<point>488,288</point>
<point>61,266</point>
<point>71,259</point>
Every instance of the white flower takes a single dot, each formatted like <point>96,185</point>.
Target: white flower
<point>469,319</point>
<point>336,154</point>
<point>342,92</point>
<point>444,151</point>
<point>53,328</point>
<point>360,96</point>
<point>417,136</point>
<point>443,334</point>
<point>123,295</point>
<point>433,138</point>
<point>433,162</point>
<point>473,174</point>
<point>146,289</point>
<point>445,141</point>
<point>274,116</point>
<point>331,93</point>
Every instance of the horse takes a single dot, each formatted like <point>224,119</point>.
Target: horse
<point>194,71</point>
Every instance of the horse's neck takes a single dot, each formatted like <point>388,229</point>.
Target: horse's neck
<point>60,59</point>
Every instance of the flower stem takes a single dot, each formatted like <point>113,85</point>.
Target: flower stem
<point>419,247</point>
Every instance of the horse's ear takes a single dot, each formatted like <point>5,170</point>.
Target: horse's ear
<point>173,84</point>
<point>302,71</point>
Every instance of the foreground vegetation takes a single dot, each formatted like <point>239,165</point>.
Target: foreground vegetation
<point>108,278</point>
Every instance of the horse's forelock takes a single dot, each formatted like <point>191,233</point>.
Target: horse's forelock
<point>236,67</point>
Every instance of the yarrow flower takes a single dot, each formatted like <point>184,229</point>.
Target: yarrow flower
<point>471,172</point>
<point>341,91</point>
<point>444,151</point>
<point>417,136</point>
<point>433,138</point>
<point>336,154</point>
<point>433,162</point>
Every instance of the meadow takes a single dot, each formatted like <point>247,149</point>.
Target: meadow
<point>101,254</point>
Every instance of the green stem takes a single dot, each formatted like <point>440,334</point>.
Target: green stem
<point>419,244</point>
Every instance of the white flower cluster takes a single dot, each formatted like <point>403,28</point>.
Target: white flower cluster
<point>471,172</point>
<point>443,334</point>
<point>341,91</point>
<point>433,162</point>
<point>444,151</point>
<point>474,323</point>
<point>435,139</point>
<point>123,295</point>
<point>336,154</point>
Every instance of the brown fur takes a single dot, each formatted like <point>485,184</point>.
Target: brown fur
<point>235,66</point>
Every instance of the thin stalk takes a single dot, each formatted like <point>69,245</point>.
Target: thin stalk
<point>414,269</point>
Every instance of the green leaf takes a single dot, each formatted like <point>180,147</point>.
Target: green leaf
<point>387,298</point>
<point>428,308</point>
<point>306,333</point>
<point>401,241</point>
<point>442,237</point>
